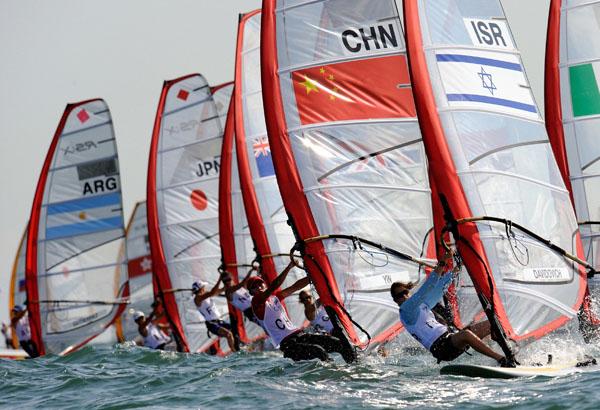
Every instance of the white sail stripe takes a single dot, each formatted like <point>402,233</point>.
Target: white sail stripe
<point>80,130</point>
<point>320,125</point>
<point>571,63</point>
<point>185,107</point>
<point>295,6</point>
<point>190,222</point>
<point>537,296</point>
<point>516,176</point>
<point>367,187</point>
<point>575,177</point>
<point>189,144</point>
<point>483,110</point>
<point>188,182</point>
<point>96,267</point>
<point>564,8</point>
<point>46,204</point>
<point>208,257</point>
<point>582,118</point>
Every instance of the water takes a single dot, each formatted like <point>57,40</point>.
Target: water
<point>125,376</point>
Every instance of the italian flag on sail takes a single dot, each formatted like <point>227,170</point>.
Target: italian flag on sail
<point>585,95</point>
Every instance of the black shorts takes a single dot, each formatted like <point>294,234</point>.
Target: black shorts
<point>443,349</point>
<point>214,325</point>
<point>249,313</point>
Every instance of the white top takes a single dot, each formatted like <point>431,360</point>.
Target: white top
<point>426,328</point>
<point>241,299</point>
<point>209,310</point>
<point>276,321</point>
<point>23,329</point>
<point>322,321</point>
<point>155,337</point>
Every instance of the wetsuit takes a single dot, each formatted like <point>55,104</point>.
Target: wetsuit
<point>292,341</point>
<point>420,321</point>
<point>24,336</point>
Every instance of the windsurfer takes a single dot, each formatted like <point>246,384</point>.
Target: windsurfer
<point>295,343</point>
<point>6,335</point>
<point>207,308</point>
<point>315,313</point>
<point>417,317</point>
<point>152,333</point>
<point>20,323</point>
<point>238,295</point>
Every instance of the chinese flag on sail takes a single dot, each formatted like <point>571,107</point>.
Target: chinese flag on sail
<point>373,88</point>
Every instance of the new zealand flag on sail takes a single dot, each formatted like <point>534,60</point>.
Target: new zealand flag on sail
<point>262,155</point>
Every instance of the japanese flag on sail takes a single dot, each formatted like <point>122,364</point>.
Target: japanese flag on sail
<point>486,80</point>
<point>372,88</point>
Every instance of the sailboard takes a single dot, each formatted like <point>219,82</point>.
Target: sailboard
<point>75,232</point>
<point>266,214</point>
<point>182,204</point>
<point>139,270</point>
<point>572,99</point>
<point>494,372</point>
<point>491,162</point>
<point>18,293</point>
<point>348,154</point>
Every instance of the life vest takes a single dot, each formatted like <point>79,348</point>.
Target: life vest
<point>241,299</point>
<point>155,337</point>
<point>23,329</point>
<point>275,321</point>
<point>426,328</point>
<point>322,321</point>
<point>209,310</point>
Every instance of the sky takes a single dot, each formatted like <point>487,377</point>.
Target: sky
<point>61,51</point>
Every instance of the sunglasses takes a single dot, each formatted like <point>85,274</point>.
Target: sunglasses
<point>404,293</point>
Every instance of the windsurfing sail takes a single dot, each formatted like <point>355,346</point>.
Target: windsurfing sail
<point>182,194</point>
<point>489,156</point>
<point>347,152</point>
<point>234,234</point>
<point>139,268</point>
<point>75,232</point>
<point>267,217</point>
<point>18,294</point>
<point>573,110</point>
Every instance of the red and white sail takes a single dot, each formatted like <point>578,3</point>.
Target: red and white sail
<point>267,216</point>
<point>75,233</point>
<point>18,293</point>
<point>489,155</point>
<point>182,193</point>
<point>139,269</point>
<point>573,110</point>
<point>347,150</point>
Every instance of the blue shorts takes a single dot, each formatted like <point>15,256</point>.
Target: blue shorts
<point>214,325</point>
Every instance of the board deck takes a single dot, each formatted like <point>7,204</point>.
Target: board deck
<point>12,354</point>
<point>513,372</point>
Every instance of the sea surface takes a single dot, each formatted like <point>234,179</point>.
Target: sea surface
<point>124,376</point>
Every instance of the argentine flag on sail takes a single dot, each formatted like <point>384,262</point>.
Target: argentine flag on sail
<point>486,80</point>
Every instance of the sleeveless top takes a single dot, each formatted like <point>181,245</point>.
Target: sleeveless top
<point>241,299</point>
<point>426,328</point>
<point>209,310</point>
<point>23,329</point>
<point>276,322</point>
<point>322,321</point>
<point>155,337</point>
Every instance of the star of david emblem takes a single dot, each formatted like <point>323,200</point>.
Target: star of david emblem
<point>487,81</point>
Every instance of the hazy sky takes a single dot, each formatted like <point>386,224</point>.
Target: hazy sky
<point>60,51</point>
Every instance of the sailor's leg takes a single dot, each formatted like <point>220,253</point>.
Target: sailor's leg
<point>229,336</point>
<point>466,338</point>
<point>481,329</point>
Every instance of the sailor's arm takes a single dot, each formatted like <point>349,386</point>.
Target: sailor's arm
<point>278,280</point>
<point>299,284</point>
<point>243,282</point>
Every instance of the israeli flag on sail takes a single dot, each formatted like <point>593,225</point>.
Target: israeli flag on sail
<point>486,80</point>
